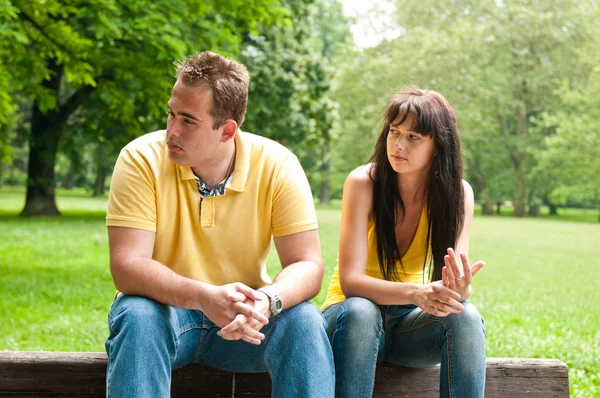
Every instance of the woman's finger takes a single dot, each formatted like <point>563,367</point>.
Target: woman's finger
<point>450,273</point>
<point>476,267</point>
<point>454,262</point>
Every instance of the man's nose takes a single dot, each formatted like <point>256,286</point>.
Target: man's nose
<point>172,129</point>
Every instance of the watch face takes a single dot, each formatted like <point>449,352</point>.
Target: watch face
<point>278,305</point>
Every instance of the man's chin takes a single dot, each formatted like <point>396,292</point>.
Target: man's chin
<point>178,158</point>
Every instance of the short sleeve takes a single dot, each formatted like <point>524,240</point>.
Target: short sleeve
<point>293,205</point>
<point>132,197</point>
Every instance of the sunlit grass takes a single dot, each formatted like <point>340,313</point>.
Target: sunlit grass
<point>538,292</point>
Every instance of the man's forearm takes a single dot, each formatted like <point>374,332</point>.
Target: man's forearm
<point>298,282</point>
<point>146,277</point>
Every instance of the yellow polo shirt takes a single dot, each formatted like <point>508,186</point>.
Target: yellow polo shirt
<point>225,238</point>
<point>412,261</point>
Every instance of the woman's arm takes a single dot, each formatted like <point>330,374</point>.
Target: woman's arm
<point>357,204</point>
<point>458,266</point>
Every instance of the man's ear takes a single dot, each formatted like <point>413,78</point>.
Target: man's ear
<point>229,129</point>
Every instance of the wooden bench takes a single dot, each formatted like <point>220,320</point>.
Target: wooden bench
<point>83,374</point>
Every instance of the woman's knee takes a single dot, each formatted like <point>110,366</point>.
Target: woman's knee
<point>359,319</point>
<point>359,310</point>
<point>468,320</point>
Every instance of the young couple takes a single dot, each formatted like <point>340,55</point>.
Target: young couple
<point>191,214</point>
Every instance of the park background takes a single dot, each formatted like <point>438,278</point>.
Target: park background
<point>81,78</point>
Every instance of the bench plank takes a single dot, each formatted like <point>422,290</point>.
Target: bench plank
<point>72,374</point>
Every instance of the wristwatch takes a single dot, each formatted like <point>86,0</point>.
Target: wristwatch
<point>275,302</point>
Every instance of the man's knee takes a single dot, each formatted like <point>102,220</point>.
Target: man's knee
<point>302,316</point>
<point>137,315</point>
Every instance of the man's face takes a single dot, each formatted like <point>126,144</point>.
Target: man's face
<point>191,140</point>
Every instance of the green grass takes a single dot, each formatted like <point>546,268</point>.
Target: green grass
<point>538,292</point>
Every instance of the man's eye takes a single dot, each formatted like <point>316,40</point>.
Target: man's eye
<point>189,122</point>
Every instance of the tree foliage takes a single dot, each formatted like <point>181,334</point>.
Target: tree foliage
<point>499,63</point>
<point>104,67</point>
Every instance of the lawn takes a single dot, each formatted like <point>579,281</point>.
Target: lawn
<point>538,293</point>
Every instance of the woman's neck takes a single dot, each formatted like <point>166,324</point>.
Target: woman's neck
<point>412,188</point>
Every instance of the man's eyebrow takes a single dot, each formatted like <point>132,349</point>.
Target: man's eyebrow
<point>188,115</point>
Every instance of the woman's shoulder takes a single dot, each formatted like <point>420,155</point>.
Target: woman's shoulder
<point>359,185</point>
<point>468,191</point>
<point>362,176</point>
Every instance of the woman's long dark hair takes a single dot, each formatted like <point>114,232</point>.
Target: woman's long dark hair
<point>444,198</point>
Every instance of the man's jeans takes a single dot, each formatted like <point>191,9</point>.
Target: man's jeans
<point>148,340</point>
<point>363,333</point>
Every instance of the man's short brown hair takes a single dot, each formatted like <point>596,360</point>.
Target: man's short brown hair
<point>227,80</point>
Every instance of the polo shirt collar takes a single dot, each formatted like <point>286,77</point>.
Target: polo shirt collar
<point>242,165</point>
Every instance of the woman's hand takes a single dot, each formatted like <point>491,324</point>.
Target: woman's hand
<point>454,279</point>
<point>437,299</point>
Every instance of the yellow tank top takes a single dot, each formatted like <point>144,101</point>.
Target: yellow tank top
<point>412,262</point>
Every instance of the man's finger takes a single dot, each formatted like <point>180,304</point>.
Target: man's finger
<point>237,322</point>
<point>249,292</point>
<point>250,312</point>
<point>237,296</point>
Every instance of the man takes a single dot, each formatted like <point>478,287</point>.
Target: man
<point>190,218</point>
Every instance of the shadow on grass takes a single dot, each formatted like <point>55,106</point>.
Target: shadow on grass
<point>66,215</point>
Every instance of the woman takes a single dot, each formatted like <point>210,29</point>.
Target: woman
<point>405,216</point>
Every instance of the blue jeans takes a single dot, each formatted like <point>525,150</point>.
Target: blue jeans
<point>362,334</point>
<point>148,340</point>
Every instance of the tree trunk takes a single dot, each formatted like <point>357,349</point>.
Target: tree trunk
<point>324,195</point>
<point>43,145</point>
<point>498,207</point>
<point>100,170</point>
<point>519,196</point>
<point>534,210</point>
<point>553,209</point>
<point>487,208</point>
<point>70,180</point>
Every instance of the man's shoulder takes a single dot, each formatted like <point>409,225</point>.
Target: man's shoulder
<point>265,148</point>
<point>147,144</point>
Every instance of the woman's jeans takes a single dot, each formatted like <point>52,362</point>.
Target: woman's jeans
<point>148,340</point>
<point>362,334</point>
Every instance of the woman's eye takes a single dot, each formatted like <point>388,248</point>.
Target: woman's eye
<point>414,137</point>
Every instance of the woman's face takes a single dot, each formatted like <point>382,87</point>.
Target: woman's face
<point>408,151</point>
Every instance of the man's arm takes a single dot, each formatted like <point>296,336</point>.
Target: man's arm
<point>136,273</point>
<point>299,280</point>
<point>302,263</point>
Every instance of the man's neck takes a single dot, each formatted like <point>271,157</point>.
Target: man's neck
<point>213,174</point>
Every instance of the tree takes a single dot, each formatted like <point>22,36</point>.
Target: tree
<point>119,53</point>
<point>499,64</point>
<point>290,68</point>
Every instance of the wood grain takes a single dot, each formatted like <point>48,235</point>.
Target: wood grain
<point>72,374</point>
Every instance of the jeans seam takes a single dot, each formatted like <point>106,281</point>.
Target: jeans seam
<point>204,327</point>
<point>379,331</point>
<point>449,354</point>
